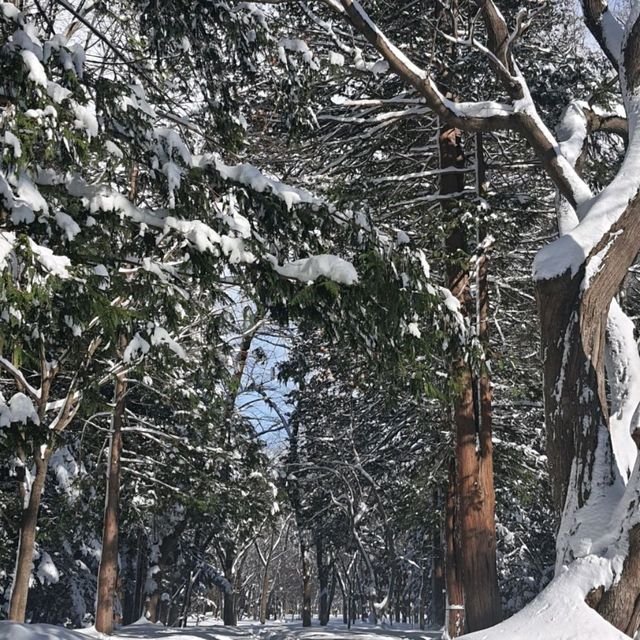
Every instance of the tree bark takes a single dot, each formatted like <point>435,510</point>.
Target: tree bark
<point>474,450</point>
<point>573,320</point>
<point>229,609</point>
<point>477,493</point>
<point>264,591</point>
<point>438,585</point>
<point>28,527</point>
<point>108,572</point>
<point>229,616</point>
<point>305,562</point>
<point>324,571</point>
<point>455,596</point>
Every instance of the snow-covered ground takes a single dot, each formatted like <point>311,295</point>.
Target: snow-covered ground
<point>213,630</point>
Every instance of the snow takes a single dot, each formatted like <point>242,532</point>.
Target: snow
<point>37,73</point>
<point>47,571</point>
<point>113,149</point>
<point>86,118</point>
<point>310,269</point>
<point>252,177</point>
<point>613,33</point>
<point>161,336</point>
<point>11,140</point>
<point>136,348</point>
<point>20,408</point>
<point>10,11</point>
<point>174,176</point>
<point>596,214</point>
<point>622,357</point>
<point>572,131</point>
<point>67,224</point>
<point>16,631</point>
<point>414,329</point>
<point>377,68</point>
<point>214,630</point>
<point>7,242</point>
<point>560,612</point>
<point>54,264</point>
<point>57,92</point>
<point>30,195</point>
<point>297,46</point>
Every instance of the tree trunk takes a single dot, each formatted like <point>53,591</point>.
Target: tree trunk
<point>582,465</point>
<point>437,569</point>
<point>229,609</point>
<point>28,525</point>
<point>422,603</point>
<point>166,559</point>
<point>141,561</point>
<point>324,571</point>
<point>477,494</point>
<point>108,572</point>
<point>454,624</point>
<point>305,561</point>
<point>264,592</point>
<point>474,451</point>
<point>229,616</point>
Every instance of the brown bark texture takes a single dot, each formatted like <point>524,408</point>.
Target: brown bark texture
<point>455,624</point>
<point>573,329</point>
<point>438,586</point>
<point>473,425</point>
<point>28,528</point>
<point>108,572</point>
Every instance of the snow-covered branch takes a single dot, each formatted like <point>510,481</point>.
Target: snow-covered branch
<point>605,28</point>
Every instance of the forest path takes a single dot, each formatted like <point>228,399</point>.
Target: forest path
<point>276,631</point>
<point>213,630</point>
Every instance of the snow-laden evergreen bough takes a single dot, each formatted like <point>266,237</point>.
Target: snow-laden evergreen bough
<point>588,342</point>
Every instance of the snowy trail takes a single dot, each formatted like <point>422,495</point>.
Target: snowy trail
<point>215,631</point>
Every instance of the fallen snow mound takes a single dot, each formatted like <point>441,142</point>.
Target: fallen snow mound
<point>560,612</point>
<point>16,631</point>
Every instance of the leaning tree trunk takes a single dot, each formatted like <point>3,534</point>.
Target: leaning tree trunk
<point>108,572</point>
<point>582,466</point>
<point>24,563</point>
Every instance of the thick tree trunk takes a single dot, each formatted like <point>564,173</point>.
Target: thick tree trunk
<point>474,451</point>
<point>478,501</point>
<point>455,597</point>
<point>108,572</point>
<point>229,609</point>
<point>582,466</point>
<point>26,543</point>
<point>451,155</point>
